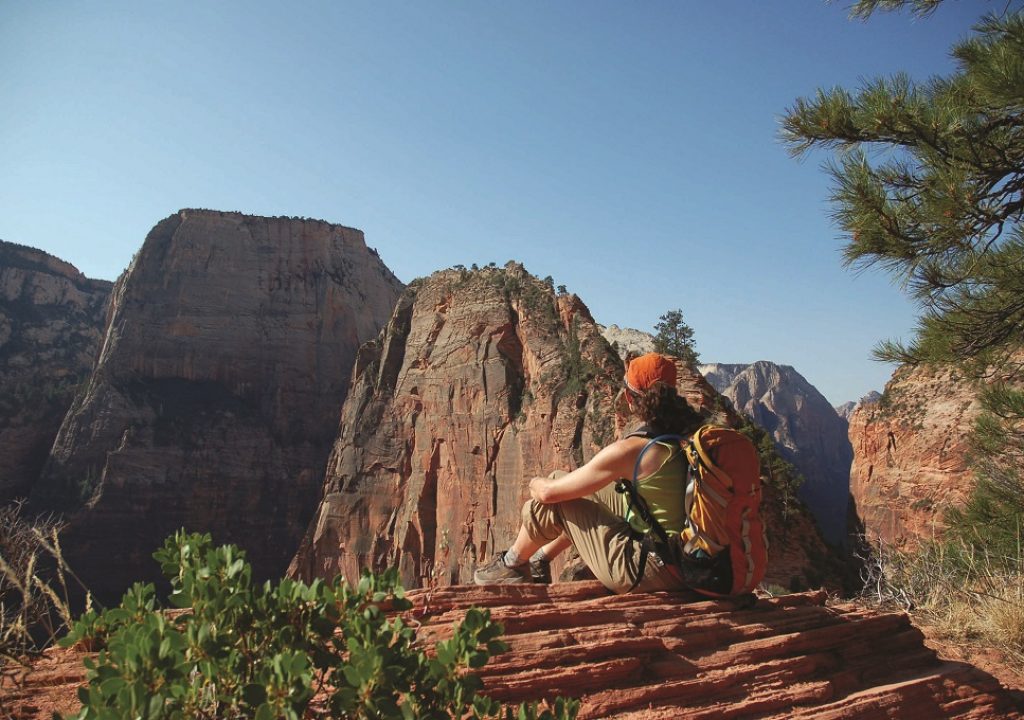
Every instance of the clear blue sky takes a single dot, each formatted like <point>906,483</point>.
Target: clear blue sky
<point>628,149</point>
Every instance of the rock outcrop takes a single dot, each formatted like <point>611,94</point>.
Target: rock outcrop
<point>661,655</point>
<point>846,410</point>
<point>910,452</point>
<point>216,395</point>
<point>480,381</point>
<point>51,325</point>
<point>806,429</point>
<point>628,340</point>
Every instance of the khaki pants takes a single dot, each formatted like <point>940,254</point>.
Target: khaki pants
<point>601,536</point>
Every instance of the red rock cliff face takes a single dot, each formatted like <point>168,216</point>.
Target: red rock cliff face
<point>51,325</point>
<point>215,398</point>
<point>909,454</point>
<point>479,382</point>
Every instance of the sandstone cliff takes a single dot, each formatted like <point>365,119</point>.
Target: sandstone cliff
<point>806,429</point>
<point>51,324</point>
<point>845,411</point>
<point>480,381</point>
<point>910,453</point>
<point>215,398</point>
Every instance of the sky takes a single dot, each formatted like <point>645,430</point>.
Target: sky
<point>630,150</point>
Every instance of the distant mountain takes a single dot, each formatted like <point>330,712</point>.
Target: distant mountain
<point>214,401</point>
<point>846,410</point>
<point>627,340</point>
<point>807,431</point>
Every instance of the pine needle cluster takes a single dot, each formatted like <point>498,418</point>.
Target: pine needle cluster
<point>928,184</point>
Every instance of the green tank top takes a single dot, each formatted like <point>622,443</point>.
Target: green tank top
<point>664,490</point>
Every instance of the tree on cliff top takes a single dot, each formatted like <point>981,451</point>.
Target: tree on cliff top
<point>928,183</point>
<point>674,337</point>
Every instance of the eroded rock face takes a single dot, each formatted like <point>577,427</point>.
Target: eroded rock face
<point>661,655</point>
<point>216,395</point>
<point>479,382</point>
<point>806,428</point>
<point>51,325</point>
<point>910,452</point>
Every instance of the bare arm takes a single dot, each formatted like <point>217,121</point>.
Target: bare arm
<point>613,462</point>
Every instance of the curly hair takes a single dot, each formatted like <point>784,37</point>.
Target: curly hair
<point>661,407</point>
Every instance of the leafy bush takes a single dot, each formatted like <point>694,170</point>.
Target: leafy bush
<point>290,650</point>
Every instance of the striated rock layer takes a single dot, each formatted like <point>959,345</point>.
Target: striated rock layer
<point>806,428</point>
<point>662,655</point>
<point>215,398</point>
<point>910,451</point>
<point>480,381</point>
<point>51,325</point>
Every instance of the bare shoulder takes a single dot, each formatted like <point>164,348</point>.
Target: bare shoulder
<point>620,455</point>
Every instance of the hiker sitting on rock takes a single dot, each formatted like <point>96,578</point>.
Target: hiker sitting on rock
<point>582,507</point>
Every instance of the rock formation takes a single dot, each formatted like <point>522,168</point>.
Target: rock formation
<point>845,411</point>
<point>910,452</point>
<point>480,381</point>
<point>215,398</point>
<point>628,340</point>
<point>51,324</point>
<point>806,429</point>
<point>661,655</point>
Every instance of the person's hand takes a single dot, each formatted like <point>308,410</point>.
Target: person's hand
<point>537,486</point>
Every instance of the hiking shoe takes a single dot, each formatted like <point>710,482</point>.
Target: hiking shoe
<point>540,571</point>
<point>497,573</point>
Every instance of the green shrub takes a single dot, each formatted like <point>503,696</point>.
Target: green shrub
<point>290,650</point>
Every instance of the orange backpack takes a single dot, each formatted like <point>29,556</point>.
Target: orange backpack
<point>723,498</point>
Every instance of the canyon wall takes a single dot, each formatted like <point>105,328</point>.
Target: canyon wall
<point>51,325</point>
<point>480,381</point>
<point>215,398</point>
<point>910,451</point>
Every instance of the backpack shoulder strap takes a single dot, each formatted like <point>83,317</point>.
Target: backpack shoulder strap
<point>643,431</point>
